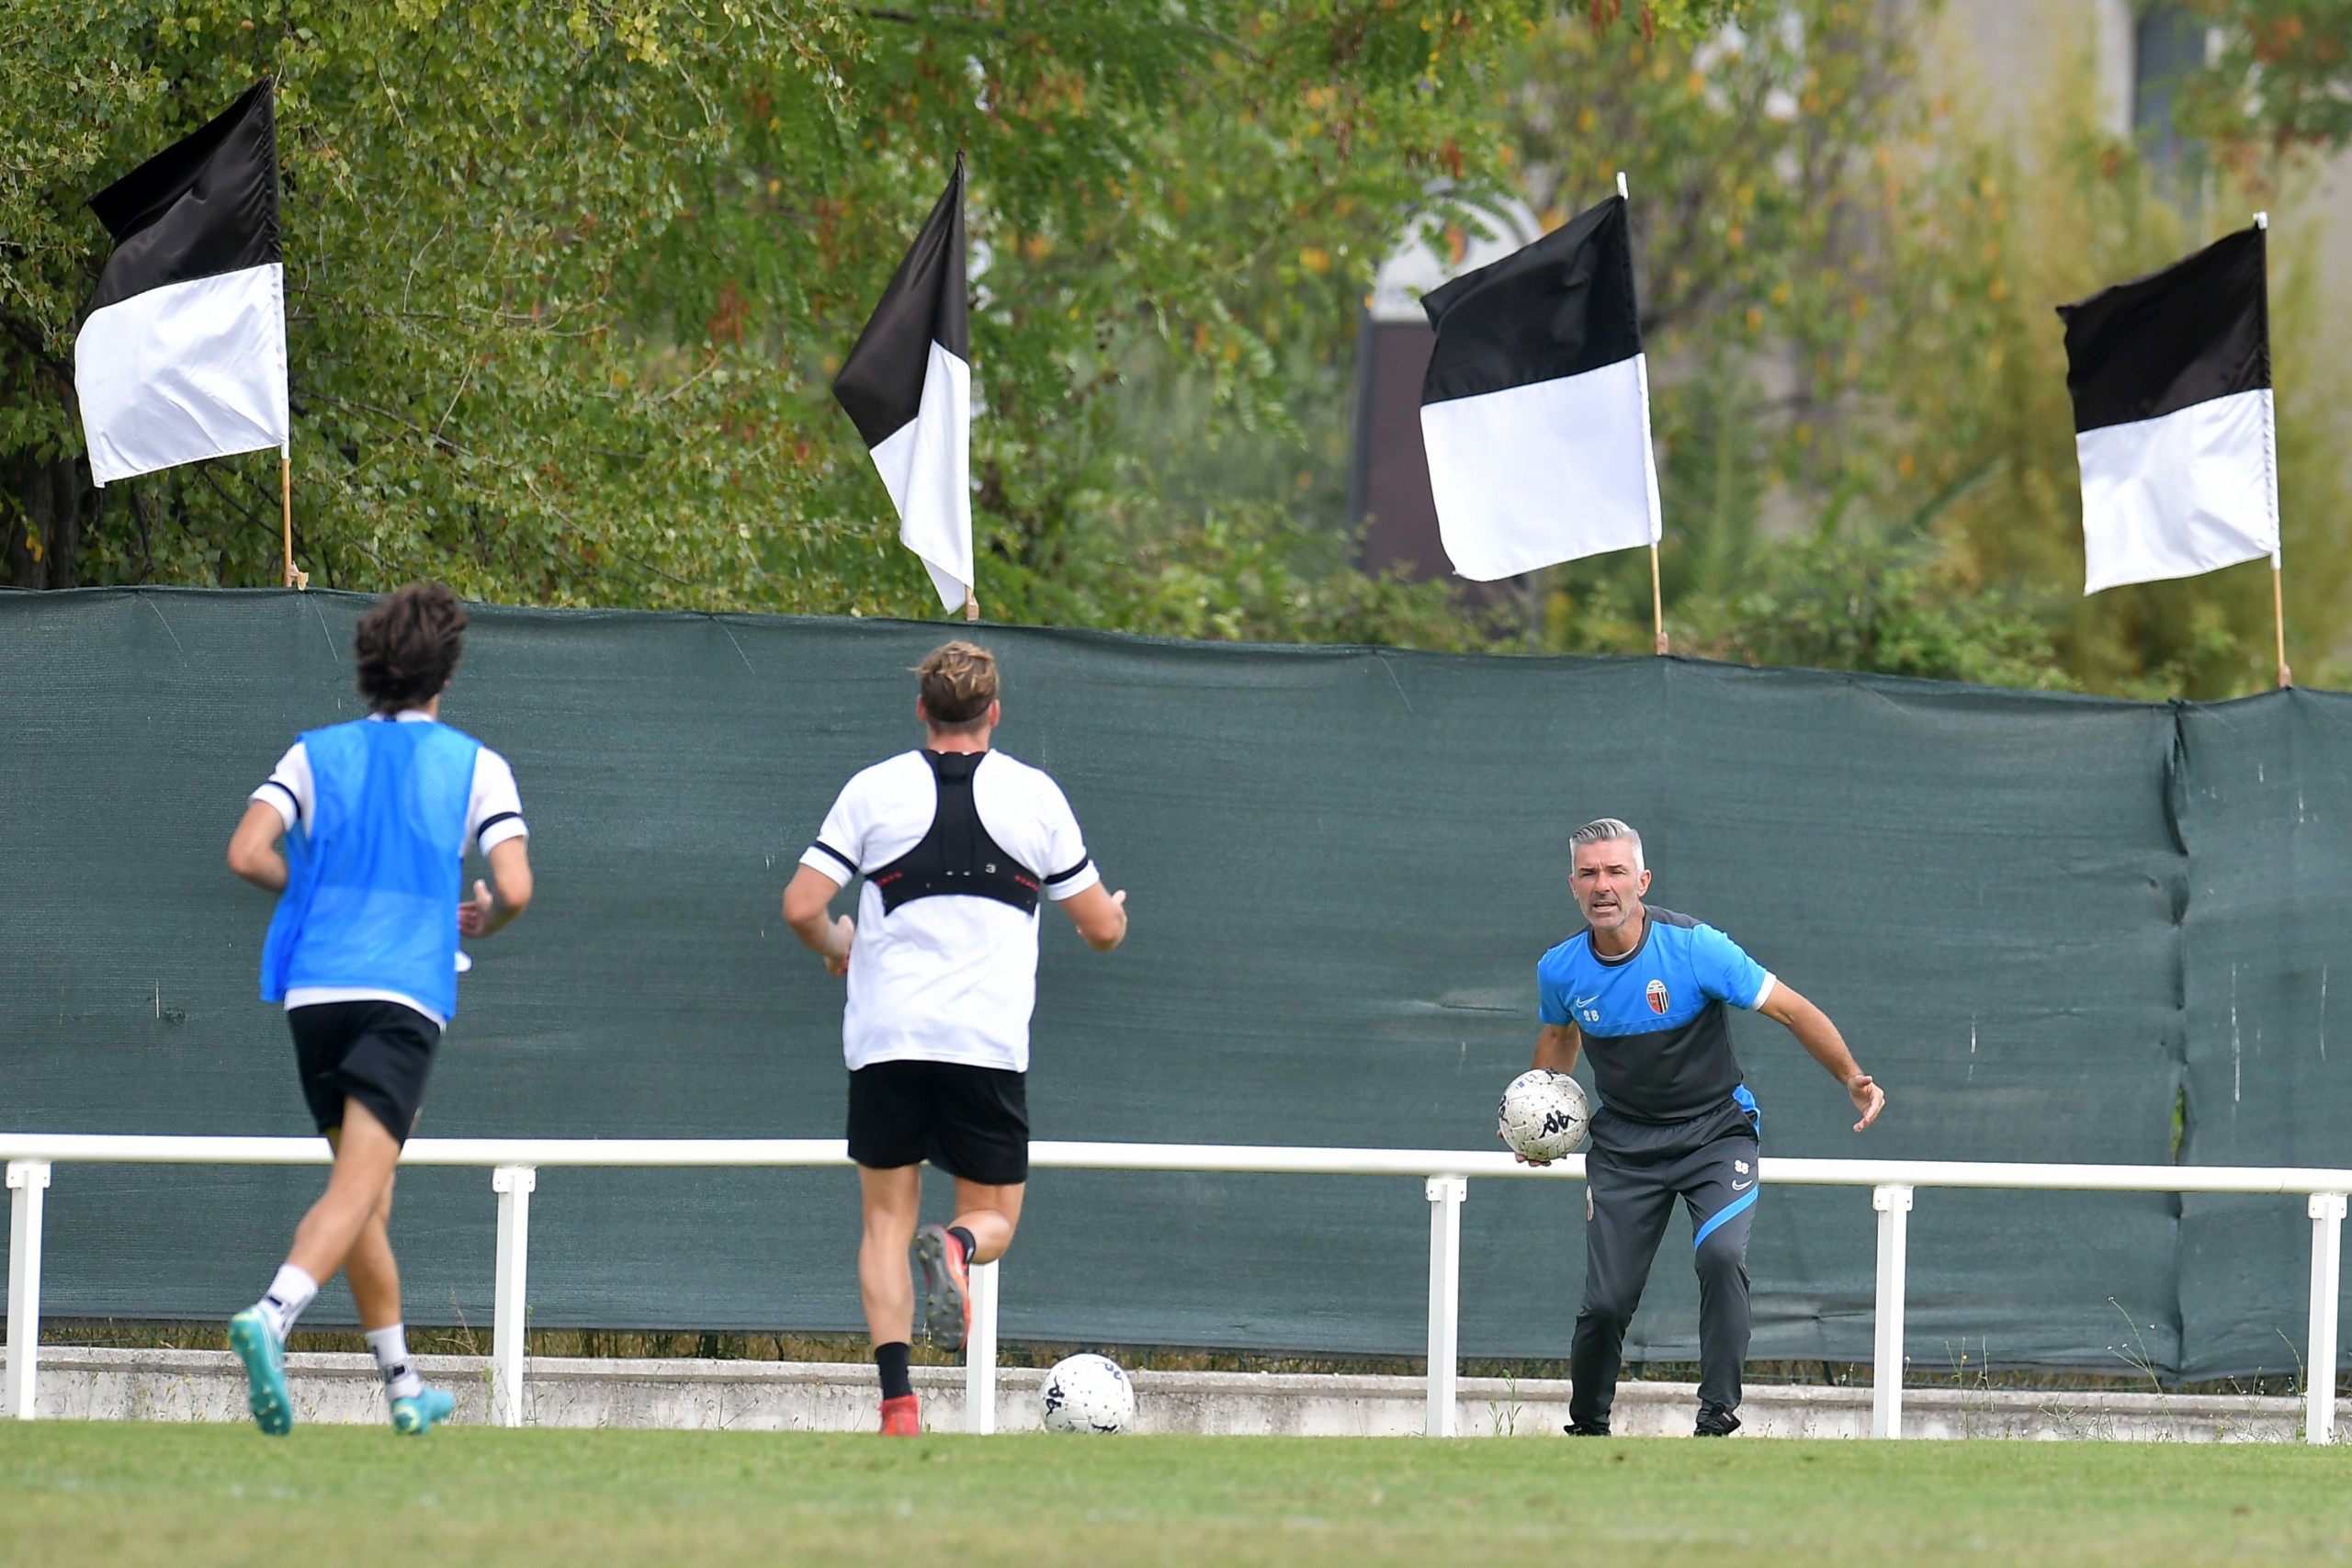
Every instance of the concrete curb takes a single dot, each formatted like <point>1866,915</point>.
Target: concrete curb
<point>770,1396</point>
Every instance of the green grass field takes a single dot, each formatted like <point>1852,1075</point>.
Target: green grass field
<point>75,1493</point>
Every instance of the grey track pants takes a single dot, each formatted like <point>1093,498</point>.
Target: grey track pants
<point>1628,1198</point>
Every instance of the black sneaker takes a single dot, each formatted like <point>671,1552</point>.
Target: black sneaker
<point>1578,1429</point>
<point>1715,1421</point>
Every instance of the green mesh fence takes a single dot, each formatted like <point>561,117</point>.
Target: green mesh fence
<point>2057,929</point>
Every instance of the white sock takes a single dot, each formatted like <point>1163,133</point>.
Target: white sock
<point>390,1345</point>
<point>289,1294</point>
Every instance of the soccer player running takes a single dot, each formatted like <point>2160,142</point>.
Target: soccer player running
<point>1644,990</point>
<point>957,843</point>
<point>376,816</point>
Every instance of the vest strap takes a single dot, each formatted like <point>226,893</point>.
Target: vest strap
<point>957,857</point>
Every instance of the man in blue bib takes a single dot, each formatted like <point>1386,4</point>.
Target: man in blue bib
<point>376,816</point>
<point>1643,990</point>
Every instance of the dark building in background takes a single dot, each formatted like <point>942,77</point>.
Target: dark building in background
<point>2168,47</point>
<point>1389,490</point>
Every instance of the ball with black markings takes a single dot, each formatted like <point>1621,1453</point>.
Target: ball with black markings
<point>1087,1394</point>
<point>1543,1115</point>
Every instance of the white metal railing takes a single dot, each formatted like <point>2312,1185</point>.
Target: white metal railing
<point>514,1164</point>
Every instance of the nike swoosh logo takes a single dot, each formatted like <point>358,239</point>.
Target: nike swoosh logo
<point>1584,1002</point>
<point>1743,1186</point>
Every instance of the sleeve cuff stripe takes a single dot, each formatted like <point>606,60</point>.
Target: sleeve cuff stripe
<point>1073,871</point>
<point>292,800</point>
<point>828,848</point>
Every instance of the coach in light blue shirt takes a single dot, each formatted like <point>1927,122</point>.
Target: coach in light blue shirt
<point>1644,990</point>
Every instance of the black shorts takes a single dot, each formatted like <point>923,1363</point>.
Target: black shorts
<point>379,1053</point>
<point>970,1122</point>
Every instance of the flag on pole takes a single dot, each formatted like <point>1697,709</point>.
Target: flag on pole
<point>907,388</point>
<point>1535,412</point>
<point>182,354</point>
<point>2170,375</point>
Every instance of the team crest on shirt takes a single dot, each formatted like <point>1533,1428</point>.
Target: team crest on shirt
<point>1660,1001</point>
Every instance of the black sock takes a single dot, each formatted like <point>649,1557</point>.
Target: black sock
<point>890,1361</point>
<point>965,1237</point>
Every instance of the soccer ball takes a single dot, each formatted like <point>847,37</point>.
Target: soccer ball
<point>1543,1115</point>
<point>1087,1394</point>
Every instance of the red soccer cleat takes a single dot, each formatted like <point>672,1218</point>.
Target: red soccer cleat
<point>947,1287</point>
<point>901,1418</point>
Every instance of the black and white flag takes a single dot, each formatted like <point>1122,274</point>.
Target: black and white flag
<point>907,388</point>
<point>182,353</point>
<point>2170,375</point>
<point>1536,411</point>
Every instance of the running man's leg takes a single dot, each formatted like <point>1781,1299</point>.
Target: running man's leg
<point>989,1216</point>
<point>1626,1206</point>
<point>888,1105</point>
<point>1719,1188</point>
<point>978,1134</point>
<point>360,1185</point>
<point>370,1268</point>
<point>986,1215</point>
<point>360,1189</point>
<point>374,1275</point>
<point>364,1067</point>
<point>892,1201</point>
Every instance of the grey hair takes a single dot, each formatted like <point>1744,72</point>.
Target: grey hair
<point>1605,830</point>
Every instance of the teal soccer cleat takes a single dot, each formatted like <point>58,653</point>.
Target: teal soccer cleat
<point>263,1354</point>
<point>422,1411</point>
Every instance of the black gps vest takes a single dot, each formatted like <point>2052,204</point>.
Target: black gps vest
<point>957,855</point>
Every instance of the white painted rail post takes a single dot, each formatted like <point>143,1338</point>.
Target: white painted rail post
<point>510,1318</point>
<point>1446,1195</point>
<point>26,1180</point>
<point>2327,1271</point>
<point>979,1354</point>
<point>1893,1206</point>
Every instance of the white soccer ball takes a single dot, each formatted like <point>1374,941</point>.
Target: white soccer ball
<point>1543,1115</point>
<point>1087,1394</point>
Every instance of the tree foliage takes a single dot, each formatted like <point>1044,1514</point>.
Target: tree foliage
<point>2281,81</point>
<point>1769,165</point>
<point>566,284</point>
<point>1859,382</point>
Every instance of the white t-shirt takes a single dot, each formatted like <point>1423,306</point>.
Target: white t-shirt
<point>950,977</point>
<point>493,814</point>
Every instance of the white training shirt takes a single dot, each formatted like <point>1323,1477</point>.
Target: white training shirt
<point>493,814</point>
<point>951,978</point>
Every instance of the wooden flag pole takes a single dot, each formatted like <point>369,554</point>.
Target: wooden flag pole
<point>286,497</point>
<point>1657,595</point>
<point>1658,602</point>
<point>971,604</point>
<point>2278,569</point>
<point>2278,619</point>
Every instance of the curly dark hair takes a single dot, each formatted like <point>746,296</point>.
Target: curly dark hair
<point>407,645</point>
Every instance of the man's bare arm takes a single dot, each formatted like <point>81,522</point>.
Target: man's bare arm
<point>1825,1045</point>
<point>1101,917</point>
<point>807,902</point>
<point>505,894</point>
<point>1558,1047</point>
<point>252,848</point>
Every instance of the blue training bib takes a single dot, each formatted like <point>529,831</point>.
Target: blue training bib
<point>371,899</point>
